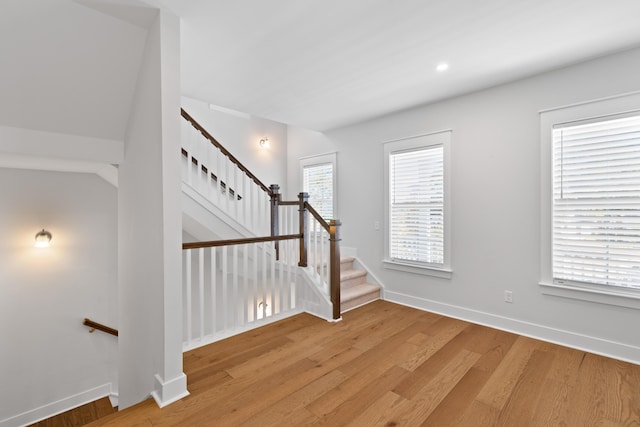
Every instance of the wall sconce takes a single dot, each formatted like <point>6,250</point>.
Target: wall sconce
<point>43,239</point>
<point>264,142</point>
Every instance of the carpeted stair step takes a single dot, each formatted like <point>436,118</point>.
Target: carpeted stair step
<point>357,295</point>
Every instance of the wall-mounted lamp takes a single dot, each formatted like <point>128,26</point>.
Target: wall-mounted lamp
<point>43,239</point>
<point>264,142</point>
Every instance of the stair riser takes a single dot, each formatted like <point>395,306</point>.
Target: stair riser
<point>348,283</point>
<point>363,299</point>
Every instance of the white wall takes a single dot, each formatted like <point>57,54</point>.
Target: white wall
<point>495,204</point>
<point>47,357</point>
<point>150,298</point>
<point>240,134</point>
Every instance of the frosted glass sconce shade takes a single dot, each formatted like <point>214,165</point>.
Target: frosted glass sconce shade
<point>264,142</point>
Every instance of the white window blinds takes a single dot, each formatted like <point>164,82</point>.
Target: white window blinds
<point>596,202</point>
<point>417,205</point>
<point>318,182</point>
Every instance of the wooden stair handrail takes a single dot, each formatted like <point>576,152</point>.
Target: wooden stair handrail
<point>229,242</point>
<point>223,150</point>
<point>317,216</point>
<point>99,326</point>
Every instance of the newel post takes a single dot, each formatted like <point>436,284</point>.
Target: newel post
<point>275,201</point>
<point>334,256</point>
<point>303,198</point>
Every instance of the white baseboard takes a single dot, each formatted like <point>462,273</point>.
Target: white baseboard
<point>168,392</point>
<point>57,407</point>
<point>113,398</point>
<point>587,343</point>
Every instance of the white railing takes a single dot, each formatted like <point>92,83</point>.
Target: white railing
<point>229,289</point>
<point>220,179</point>
<point>236,287</point>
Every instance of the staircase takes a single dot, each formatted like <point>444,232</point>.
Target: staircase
<point>242,278</point>
<point>354,289</point>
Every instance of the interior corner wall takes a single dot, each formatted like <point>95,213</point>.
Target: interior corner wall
<point>240,134</point>
<point>495,161</point>
<point>49,362</point>
<point>150,225</point>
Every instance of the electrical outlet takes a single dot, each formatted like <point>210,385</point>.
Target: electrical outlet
<point>376,225</point>
<point>508,297</point>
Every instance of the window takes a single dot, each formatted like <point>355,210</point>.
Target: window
<point>417,213</point>
<point>591,202</point>
<point>596,202</point>
<point>318,179</point>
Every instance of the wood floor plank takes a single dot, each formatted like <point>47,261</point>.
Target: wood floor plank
<point>479,415</point>
<point>410,385</point>
<point>434,343</point>
<point>452,408</point>
<point>501,383</point>
<point>415,411</point>
<point>387,364</point>
<point>560,383</point>
<point>296,402</point>
<point>356,381</point>
<point>352,406</point>
<point>527,390</point>
<point>376,413</point>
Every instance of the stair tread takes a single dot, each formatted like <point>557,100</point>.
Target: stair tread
<point>358,291</point>
<point>343,260</point>
<point>351,273</point>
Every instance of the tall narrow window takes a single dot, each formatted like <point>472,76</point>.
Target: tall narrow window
<point>318,179</point>
<point>417,202</point>
<point>417,212</point>
<point>596,202</point>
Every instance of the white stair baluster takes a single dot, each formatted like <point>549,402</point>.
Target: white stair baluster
<point>245,295</point>
<point>201,291</point>
<point>214,290</point>
<point>225,280</point>
<point>187,265</point>
<point>234,302</point>
<point>255,281</point>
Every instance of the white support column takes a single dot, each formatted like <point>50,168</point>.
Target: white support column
<point>150,225</point>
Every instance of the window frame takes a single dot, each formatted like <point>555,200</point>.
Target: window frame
<point>423,141</point>
<point>596,110</point>
<point>319,160</point>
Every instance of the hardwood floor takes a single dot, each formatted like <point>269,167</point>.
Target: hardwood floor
<point>390,365</point>
<point>79,416</point>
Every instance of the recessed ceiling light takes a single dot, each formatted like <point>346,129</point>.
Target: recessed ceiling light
<point>443,66</point>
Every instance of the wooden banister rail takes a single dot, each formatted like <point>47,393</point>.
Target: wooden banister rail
<point>317,216</point>
<point>215,243</point>
<point>223,150</point>
<point>99,326</point>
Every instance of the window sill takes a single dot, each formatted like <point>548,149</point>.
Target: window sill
<point>617,297</point>
<point>417,269</point>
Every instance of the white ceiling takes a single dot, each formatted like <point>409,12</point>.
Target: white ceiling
<point>69,68</point>
<point>325,64</point>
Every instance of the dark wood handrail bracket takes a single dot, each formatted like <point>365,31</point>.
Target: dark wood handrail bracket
<point>215,243</point>
<point>99,326</point>
<point>223,150</point>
